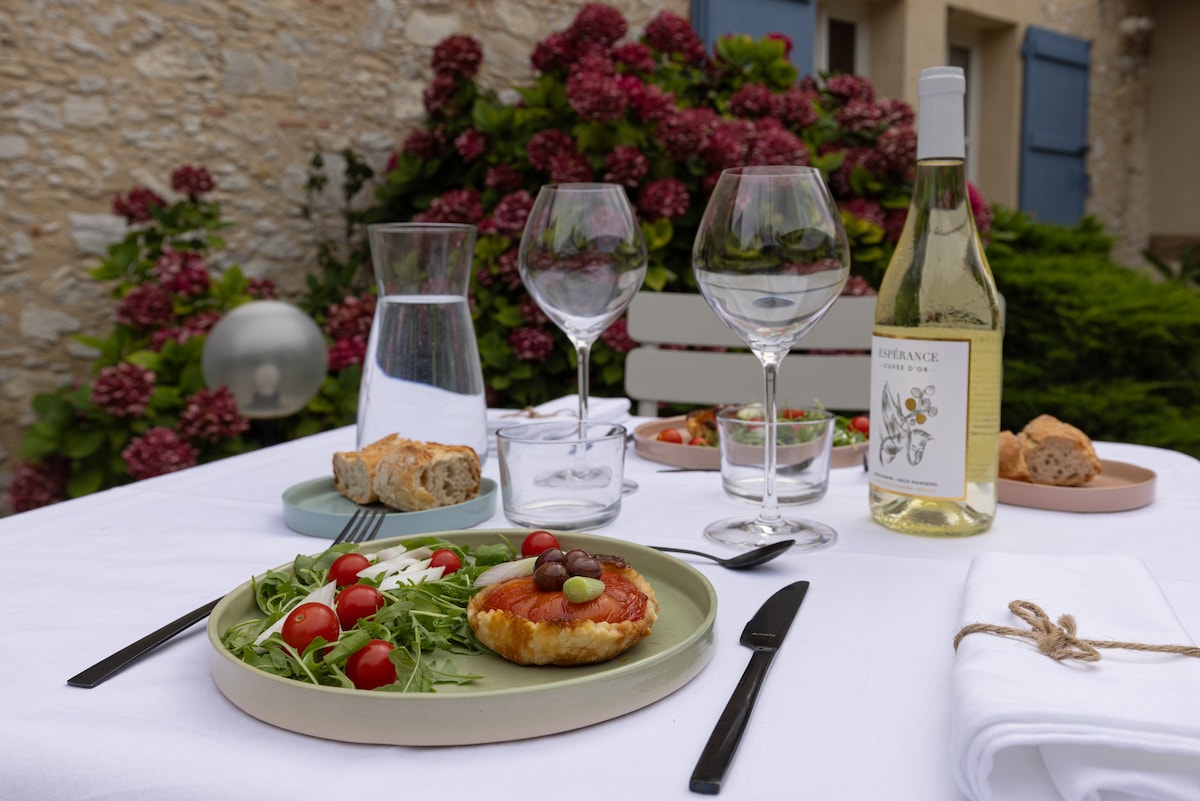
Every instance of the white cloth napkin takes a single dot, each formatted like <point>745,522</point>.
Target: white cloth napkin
<point>600,410</point>
<point>1026,727</point>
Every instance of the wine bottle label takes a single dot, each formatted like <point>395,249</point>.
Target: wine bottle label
<point>919,416</point>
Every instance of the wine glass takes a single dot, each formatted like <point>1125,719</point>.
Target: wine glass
<point>771,257</point>
<point>582,259</point>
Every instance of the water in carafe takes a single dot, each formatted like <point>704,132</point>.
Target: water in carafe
<point>422,378</point>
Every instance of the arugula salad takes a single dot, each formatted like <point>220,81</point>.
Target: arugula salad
<point>368,621</point>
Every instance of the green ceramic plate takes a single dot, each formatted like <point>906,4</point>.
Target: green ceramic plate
<point>315,508</point>
<point>510,702</point>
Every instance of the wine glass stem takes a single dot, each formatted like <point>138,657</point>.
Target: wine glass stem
<point>769,513</point>
<point>583,351</point>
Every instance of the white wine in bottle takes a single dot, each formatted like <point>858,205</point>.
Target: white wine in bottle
<point>936,352</point>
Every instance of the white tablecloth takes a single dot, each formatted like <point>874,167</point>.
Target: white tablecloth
<point>856,705</point>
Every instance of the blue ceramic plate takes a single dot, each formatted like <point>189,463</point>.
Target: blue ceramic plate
<point>315,508</point>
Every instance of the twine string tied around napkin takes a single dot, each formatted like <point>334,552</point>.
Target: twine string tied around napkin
<point>1058,640</point>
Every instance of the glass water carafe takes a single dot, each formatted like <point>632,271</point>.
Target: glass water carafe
<point>422,377</point>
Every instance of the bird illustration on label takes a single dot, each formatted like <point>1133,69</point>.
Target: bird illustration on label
<point>902,421</point>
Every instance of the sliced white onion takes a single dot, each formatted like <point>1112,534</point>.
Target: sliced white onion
<point>399,564</point>
<point>505,571</point>
<point>384,554</point>
<point>411,577</point>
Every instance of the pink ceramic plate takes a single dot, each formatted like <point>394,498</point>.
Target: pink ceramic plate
<point>1119,487</point>
<point>700,457</point>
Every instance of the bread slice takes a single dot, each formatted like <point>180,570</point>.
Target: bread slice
<point>415,476</point>
<point>354,471</point>
<point>1058,453</point>
<point>1012,458</point>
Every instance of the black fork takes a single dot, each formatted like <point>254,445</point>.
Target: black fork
<point>362,527</point>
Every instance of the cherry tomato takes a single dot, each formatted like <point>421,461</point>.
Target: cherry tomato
<point>307,622</point>
<point>536,542</point>
<point>698,441</point>
<point>794,414</point>
<point>670,435</point>
<point>369,667</point>
<point>446,559</point>
<point>861,423</point>
<point>355,602</point>
<point>344,569</point>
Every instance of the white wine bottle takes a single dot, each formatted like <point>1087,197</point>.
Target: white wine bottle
<point>936,364</point>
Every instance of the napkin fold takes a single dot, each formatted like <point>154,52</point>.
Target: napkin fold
<point>1026,727</point>
<point>600,410</point>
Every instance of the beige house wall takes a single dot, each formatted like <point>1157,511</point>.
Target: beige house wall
<point>99,95</point>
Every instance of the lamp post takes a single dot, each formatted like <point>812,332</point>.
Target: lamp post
<point>270,355</point>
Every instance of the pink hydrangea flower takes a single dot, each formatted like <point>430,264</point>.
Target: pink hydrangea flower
<point>845,88</point>
<point>438,97</point>
<point>470,144</point>
<point>544,145</point>
<point>123,390</point>
<point>261,289</point>
<point>752,100</point>
<point>508,270</point>
<point>795,108</point>
<point>635,56</point>
<point>135,206</point>
<point>146,306</point>
<point>672,34</point>
<point>457,55</point>
<point>598,23</point>
<point>182,272</point>
<point>616,336</point>
<point>531,344</point>
<point>666,197</point>
<point>626,165</point>
<point>196,325</point>
<point>683,135</point>
<point>157,452</point>
<point>729,144</point>
<point>567,168</point>
<point>858,116</point>
<point>351,317</point>
<point>38,484</point>
<point>348,351</point>
<point>532,313</point>
<point>503,178</point>
<point>212,415</point>
<point>424,144</point>
<point>896,149</point>
<point>893,224</point>
<point>896,111</point>
<point>553,53</point>
<point>774,144</point>
<point>650,103</point>
<point>857,285</point>
<point>511,213</point>
<point>596,97</point>
<point>454,206</point>
<point>192,181</point>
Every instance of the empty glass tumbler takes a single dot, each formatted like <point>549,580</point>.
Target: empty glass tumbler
<point>422,378</point>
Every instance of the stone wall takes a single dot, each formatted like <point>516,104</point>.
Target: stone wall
<point>98,96</point>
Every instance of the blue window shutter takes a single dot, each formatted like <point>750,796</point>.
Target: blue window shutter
<point>797,19</point>
<point>1054,144</point>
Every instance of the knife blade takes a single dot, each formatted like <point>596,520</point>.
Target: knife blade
<point>764,634</point>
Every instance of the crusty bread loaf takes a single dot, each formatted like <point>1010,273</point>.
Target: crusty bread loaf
<point>415,476</point>
<point>1058,453</point>
<point>354,471</point>
<point>1012,458</point>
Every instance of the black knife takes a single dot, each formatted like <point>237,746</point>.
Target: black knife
<point>764,633</point>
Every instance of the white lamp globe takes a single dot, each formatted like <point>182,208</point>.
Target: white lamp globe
<point>270,355</point>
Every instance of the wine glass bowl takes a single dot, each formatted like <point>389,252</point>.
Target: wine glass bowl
<point>770,257</point>
<point>582,259</point>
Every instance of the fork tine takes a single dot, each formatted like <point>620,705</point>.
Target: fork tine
<point>351,527</point>
<point>372,525</point>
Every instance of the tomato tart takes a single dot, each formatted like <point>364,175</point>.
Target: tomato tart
<point>530,625</point>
